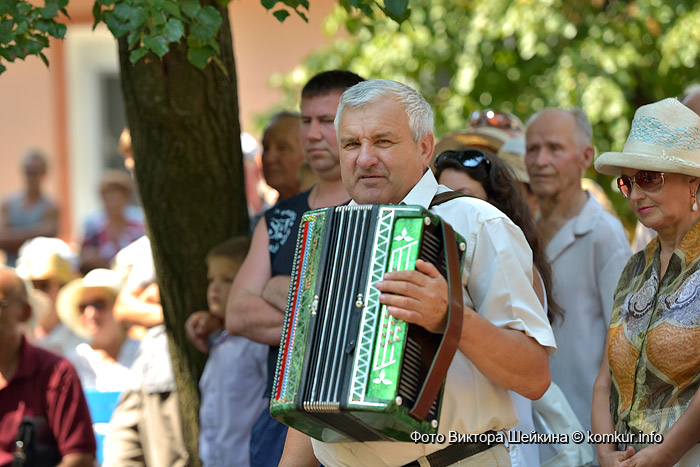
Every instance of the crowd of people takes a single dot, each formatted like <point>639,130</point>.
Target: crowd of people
<point>565,329</point>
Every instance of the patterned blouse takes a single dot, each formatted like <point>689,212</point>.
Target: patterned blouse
<point>654,347</point>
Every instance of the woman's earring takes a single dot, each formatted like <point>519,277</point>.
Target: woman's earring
<point>695,204</point>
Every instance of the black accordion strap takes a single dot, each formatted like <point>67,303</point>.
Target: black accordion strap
<point>444,197</point>
<point>453,329</point>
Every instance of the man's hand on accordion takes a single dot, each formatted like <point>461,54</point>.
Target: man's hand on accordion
<point>418,297</point>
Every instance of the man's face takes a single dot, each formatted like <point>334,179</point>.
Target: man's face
<point>282,156</point>
<point>554,158</point>
<point>379,160</point>
<point>317,134</point>
<point>14,309</point>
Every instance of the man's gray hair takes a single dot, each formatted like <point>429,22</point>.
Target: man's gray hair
<point>583,125</point>
<point>418,111</point>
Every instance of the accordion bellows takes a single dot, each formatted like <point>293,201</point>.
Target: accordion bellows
<point>347,370</point>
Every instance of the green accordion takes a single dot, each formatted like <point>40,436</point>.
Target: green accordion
<point>347,370</point>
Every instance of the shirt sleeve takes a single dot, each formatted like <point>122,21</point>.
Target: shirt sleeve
<point>67,412</point>
<point>498,279</point>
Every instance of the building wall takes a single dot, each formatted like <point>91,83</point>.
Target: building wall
<point>58,109</point>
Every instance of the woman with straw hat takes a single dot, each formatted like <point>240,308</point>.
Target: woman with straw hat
<point>649,382</point>
<point>85,306</point>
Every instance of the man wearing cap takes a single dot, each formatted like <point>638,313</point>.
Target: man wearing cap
<point>586,245</point>
<point>39,391</point>
<point>505,338</point>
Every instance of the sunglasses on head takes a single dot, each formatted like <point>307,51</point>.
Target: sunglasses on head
<point>99,305</point>
<point>469,158</point>
<point>494,118</point>
<point>647,181</point>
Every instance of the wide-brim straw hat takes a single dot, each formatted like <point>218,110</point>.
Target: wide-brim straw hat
<point>44,258</point>
<point>513,154</point>
<point>665,137</point>
<point>485,138</point>
<point>70,295</point>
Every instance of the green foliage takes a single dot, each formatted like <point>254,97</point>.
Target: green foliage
<point>397,10</point>
<point>151,26</point>
<point>608,57</point>
<point>25,29</point>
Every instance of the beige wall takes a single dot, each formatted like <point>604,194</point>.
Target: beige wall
<point>37,107</point>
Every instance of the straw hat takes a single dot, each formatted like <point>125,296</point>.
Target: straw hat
<point>665,137</point>
<point>513,154</point>
<point>44,258</point>
<point>486,138</point>
<point>69,296</point>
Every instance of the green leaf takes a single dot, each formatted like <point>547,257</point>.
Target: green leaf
<point>172,9</point>
<point>117,27</point>
<point>158,18</point>
<point>158,44</point>
<point>199,56</point>
<point>23,8</point>
<point>268,4</point>
<point>138,18</point>
<point>303,16</point>
<point>281,15</point>
<point>134,38</point>
<point>49,11</point>
<point>2,68</point>
<point>190,7</point>
<point>137,54</point>
<point>173,30</point>
<point>57,30</point>
<point>209,17</point>
<point>397,8</point>
<point>123,11</point>
<point>201,33</point>
<point>44,59</point>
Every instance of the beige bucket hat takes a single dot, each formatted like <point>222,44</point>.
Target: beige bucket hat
<point>69,296</point>
<point>665,137</point>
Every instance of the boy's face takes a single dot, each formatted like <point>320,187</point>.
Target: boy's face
<point>220,274</point>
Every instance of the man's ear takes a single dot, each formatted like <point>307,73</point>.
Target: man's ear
<point>587,156</point>
<point>26,312</point>
<point>427,145</point>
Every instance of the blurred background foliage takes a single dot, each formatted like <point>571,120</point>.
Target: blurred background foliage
<point>608,57</point>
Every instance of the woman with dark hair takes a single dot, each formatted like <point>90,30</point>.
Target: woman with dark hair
<point>477,174</point>
<point>489,178</point>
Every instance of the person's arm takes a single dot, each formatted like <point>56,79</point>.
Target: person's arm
<point>78,459</point>
<point>136,305</point>
<point>276,291</point>
<point>298,451</point>
<point>601,420</point>
<point>247,313</point>
<point>678,440</point>
<point>506,357</point>
<point>11,238</point>
<point>199,326</point>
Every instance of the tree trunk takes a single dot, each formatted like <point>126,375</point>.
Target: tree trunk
<point>185,136</point>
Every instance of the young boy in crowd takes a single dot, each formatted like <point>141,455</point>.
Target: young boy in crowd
<point>235,374</point>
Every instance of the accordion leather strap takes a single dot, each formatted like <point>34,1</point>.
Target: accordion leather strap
<point>444,197</point>
<point>453,330</point>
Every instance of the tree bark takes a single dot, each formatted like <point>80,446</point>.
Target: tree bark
<point>186,141</point>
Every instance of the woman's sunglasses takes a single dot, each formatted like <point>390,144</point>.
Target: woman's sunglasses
<point>469,158</point>
<point>494,118</point>
<point>647,181</point>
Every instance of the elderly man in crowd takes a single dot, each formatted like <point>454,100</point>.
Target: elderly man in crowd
<point>42,404</point>
<point>586,245</point>
<point>386,141</point>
